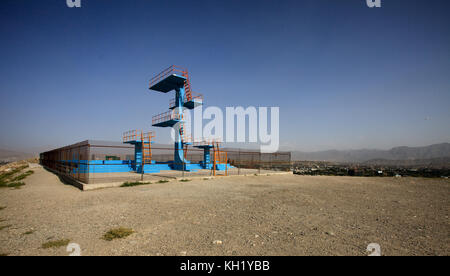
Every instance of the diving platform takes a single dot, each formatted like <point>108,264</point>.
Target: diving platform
<point>142,149</point>
<point>194,101</point>
<point>203,144</point>
<point>137,136</point>
<point>166,119</point>
<point>168,83</point>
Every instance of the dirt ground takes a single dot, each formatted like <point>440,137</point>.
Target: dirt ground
<point>252,215</point>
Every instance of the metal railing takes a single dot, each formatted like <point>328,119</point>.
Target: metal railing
<point>147,136</point>
<point>132,135</point>
<point>167,72</point>
<point>137,135</point>
<point>166,116</point>
<point>205,142</point>
<point>199,141</point>
<point>190,95</point>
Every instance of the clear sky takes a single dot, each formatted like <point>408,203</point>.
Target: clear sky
<point>344,76</point>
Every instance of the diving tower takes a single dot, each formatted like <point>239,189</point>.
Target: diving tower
<point>176,79</point>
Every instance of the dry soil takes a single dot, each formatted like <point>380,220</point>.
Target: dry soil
<point>252,215</point>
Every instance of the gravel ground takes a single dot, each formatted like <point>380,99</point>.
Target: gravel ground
<point>253,215</point>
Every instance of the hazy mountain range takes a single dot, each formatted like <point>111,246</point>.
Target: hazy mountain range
<point>11,156</point>
<point>437,151</point>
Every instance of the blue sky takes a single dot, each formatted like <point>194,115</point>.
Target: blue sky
<point>344,76</point>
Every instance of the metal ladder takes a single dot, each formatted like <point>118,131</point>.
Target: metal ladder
<point>146,139</point>
<point>187,85</point>
<point>219,158</point>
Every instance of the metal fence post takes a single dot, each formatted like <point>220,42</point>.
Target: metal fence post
<point>239,161</point>
<point>259,165</point>
<point>88,158</point>
<point>142,159</point>
<point>184,164</point>
<point>78,168</point>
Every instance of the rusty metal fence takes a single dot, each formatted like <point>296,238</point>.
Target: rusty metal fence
<point>67,161</point>
<point>95,162</point>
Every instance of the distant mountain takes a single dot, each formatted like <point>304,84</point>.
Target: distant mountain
<point>442,162</point>
<point>10,156</point>
<point>363,155</point>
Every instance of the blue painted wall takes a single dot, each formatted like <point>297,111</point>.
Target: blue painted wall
<point>115,166</point>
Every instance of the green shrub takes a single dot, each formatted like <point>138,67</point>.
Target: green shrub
<point>22,176</point>
<point>118,233</point>
<point>6,175</point>
<point>57,243</point>
<point>131,184</point>
<point>8,181</point>
<point>4,227</point>
<point>16,185</point>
